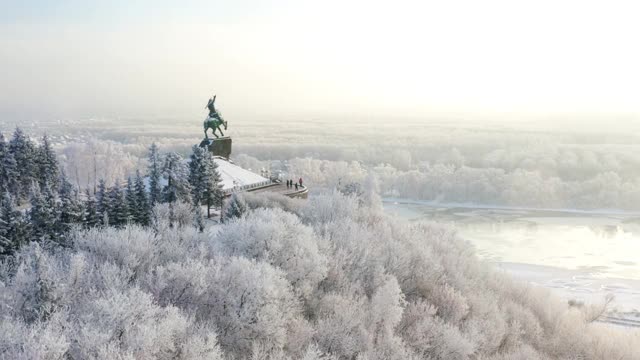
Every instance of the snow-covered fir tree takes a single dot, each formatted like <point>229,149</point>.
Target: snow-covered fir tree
<point>102,201</point>
<point>204,179</point>
<point>10,223</point>
<point>132,201</point>
<point>176,173</point>
<point>24,152</point>
<point>43,214</point>
<point>118,209</point>
<point>236,207</point>
<point>90,218</point>
<point>213,194</point>
<point>47,171</point>
<point>177,189</point>
<point>3,173</point>
<point>71,209</point>
<point>10,174</point>
<point>154,172</point>
<point>8,169</point>
<point>197,174</point>
<point>142,201</point>
<point>197,181</point>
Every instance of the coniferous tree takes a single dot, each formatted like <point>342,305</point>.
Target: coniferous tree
<point>3,154</point>
<point>132,202</point>
<point>43,214</point>
<point>47,171</point>
<point>118,209</point>
<point>213,194</point>
<point>198,220</point>
<point>91,217</point>
<point>176,173</point>
<point>155,175</point>
<point>197,174</point>
<point>23,151</point>
<point>102,202</point>
<point>71,211</point>
<point>197,180</point>
<point>236,207</point>
<point>142,201</point>
<point>10,223</point>
<point>10,174</point>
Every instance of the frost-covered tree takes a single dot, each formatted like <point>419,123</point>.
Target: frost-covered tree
<point>177,188</point>
<point>43,214</point>
<point>142,201</point>
<point>24,154</point>
<point>213,194</point>
<point>154,173</point>
<point>90,217</point>
<point>132,201</point>
<point>4,174</point>
<point>236,207</point>
<point>46,161</point>
<point>10,226</point>
<point>118,209</point>
<point>176,172</point>
<point>197,174</point>
<point>198,218</point>
<point>102,201</point>
<point>197,182</point>
<point>279,238</point>
<point>9,174</point>
<point>205,179</point>
<point>70,208</point>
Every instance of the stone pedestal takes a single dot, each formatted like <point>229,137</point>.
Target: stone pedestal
<point>218,147</point>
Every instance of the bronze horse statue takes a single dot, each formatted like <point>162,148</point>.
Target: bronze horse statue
<point>214,120</point>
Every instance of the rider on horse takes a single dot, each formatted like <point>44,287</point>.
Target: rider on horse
<point>214,120</point>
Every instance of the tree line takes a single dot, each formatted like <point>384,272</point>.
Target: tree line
<point>40,204</point>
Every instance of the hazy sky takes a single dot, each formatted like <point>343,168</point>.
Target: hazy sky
<point>73,58</point>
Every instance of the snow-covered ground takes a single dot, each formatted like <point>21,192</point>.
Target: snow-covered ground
<point>235,176</point>
<point>580,255</point>
<point>232,175</point>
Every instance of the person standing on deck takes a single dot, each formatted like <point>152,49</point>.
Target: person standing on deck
<point>300,182</point>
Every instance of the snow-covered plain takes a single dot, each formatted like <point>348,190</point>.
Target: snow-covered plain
<point>581,256</point>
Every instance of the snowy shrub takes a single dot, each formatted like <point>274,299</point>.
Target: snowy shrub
<point>280,239</point>
<point>269,200</point>
<point>182,212</point>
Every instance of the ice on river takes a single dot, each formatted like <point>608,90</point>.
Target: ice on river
<point>578,255</point>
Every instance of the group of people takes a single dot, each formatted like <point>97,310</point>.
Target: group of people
<point>291,183</point>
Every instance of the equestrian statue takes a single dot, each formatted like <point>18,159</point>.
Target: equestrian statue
<point>214,120</point>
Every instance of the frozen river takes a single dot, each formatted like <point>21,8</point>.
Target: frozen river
<point>580,255</point>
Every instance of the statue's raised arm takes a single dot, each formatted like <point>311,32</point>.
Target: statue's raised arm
<point>212,106</point>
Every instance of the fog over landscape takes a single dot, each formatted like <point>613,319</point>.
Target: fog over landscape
<point>473,173</point>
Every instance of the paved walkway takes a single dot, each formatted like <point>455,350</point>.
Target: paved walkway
<point>284,190</point>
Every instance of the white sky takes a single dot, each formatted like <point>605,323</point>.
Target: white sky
<point>269,58</point>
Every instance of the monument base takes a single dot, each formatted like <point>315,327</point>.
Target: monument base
<point>218,146</point>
